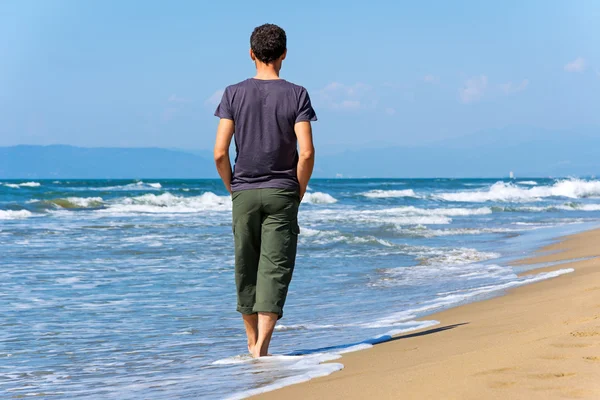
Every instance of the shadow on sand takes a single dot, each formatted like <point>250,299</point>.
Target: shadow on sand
<point>374,341</point>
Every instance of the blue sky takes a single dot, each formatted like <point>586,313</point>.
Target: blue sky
<point>148,73</point>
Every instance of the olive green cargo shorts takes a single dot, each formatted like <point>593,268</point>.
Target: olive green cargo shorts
<point>265,231</point>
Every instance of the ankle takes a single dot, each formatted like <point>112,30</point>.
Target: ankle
<point>261,349</point>
<point>255,351</point>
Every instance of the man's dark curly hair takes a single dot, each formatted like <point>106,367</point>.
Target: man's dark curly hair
<point>268,42</point>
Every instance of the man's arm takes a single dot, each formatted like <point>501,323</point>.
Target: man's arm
<point>224,135</point>
<point>306,155</point>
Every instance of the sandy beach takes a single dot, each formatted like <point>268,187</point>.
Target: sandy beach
<point>540,341</point>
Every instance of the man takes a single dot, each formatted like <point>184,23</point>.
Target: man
<point>269,118</point>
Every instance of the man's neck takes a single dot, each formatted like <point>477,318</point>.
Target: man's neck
<point>266,71</point>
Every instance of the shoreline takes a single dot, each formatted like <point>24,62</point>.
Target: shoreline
<point>540,340</point>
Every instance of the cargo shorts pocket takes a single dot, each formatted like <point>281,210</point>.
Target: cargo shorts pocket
<point>295,227</point>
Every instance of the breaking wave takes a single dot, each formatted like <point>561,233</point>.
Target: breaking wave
<point>169,203</point>
<point>14,214</point>
<point>508,192</point>
<point>139,185</point>
<point>318,198</point>
<point>70,202</point>
<point>24,184</point>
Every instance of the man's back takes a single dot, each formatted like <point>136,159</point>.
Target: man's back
<point>269,117</point>
<point>264,112</point>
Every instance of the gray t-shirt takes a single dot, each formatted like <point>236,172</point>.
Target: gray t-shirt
<point>264,113</point>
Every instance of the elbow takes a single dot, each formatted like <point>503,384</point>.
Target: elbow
<point>220,155</point>
<point>308,154</point>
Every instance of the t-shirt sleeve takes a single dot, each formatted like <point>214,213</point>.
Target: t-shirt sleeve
<point>224,109</point>
<point>305,110</point>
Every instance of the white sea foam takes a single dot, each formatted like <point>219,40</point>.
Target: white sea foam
<point>24,184</point>
<point>399,216</point>
<point>589,207</point>
<point>557,207</point>
<point>318,198</point>
<point>169,203</point>
<point>418,275</point>
<point>311,365</point>
<point>402,321</point>
<point>501,191</point>
<point>531,183</point>
<point>429,256</point>
<point>579,207</point>
<point>84,202</point>
<point>66,281</point>
<point>460,296</point>
<point>323,237</point>
<point>423,231</point>
<point>460,256</point>
<point>12,214</point>
<point>139,185</point>
<point>71,202</point>
<point>29,184</point>
<point>441,258</point>
<point>306,367</point>
<point>382,194</point>
<point>412,220</point>
<point>302,327</point>
<point>449,212</point>
<point>356,347</point>
<point>395,216</point>
<point>446,212</point>
<point>307,232</point>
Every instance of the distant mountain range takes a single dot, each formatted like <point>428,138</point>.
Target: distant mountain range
<point>63,161</point>
<point>495,153</point>
<point>526,151</point>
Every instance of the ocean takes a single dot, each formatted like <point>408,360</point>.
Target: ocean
<point>123,289</point>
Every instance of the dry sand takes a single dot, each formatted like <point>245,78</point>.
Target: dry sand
<point>540,341</point>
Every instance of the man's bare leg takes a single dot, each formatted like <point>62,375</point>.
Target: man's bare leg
<point>251,325</point>
<point>266,325</point>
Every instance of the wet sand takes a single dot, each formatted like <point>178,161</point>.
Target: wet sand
<point>540,341</point>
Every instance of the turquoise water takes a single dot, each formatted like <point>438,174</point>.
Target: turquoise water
<point>123,289</point>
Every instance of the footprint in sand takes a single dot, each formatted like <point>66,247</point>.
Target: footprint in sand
<point>577,393</point>
<point>495,371</point>
<point>570,345</point>
<point>581,321</point>
<point>552,375</point>
<point>592,288</point>
<point>554,357</point>
<point>592,358</point>
<point>589,333</point>
<point>501,384</point>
